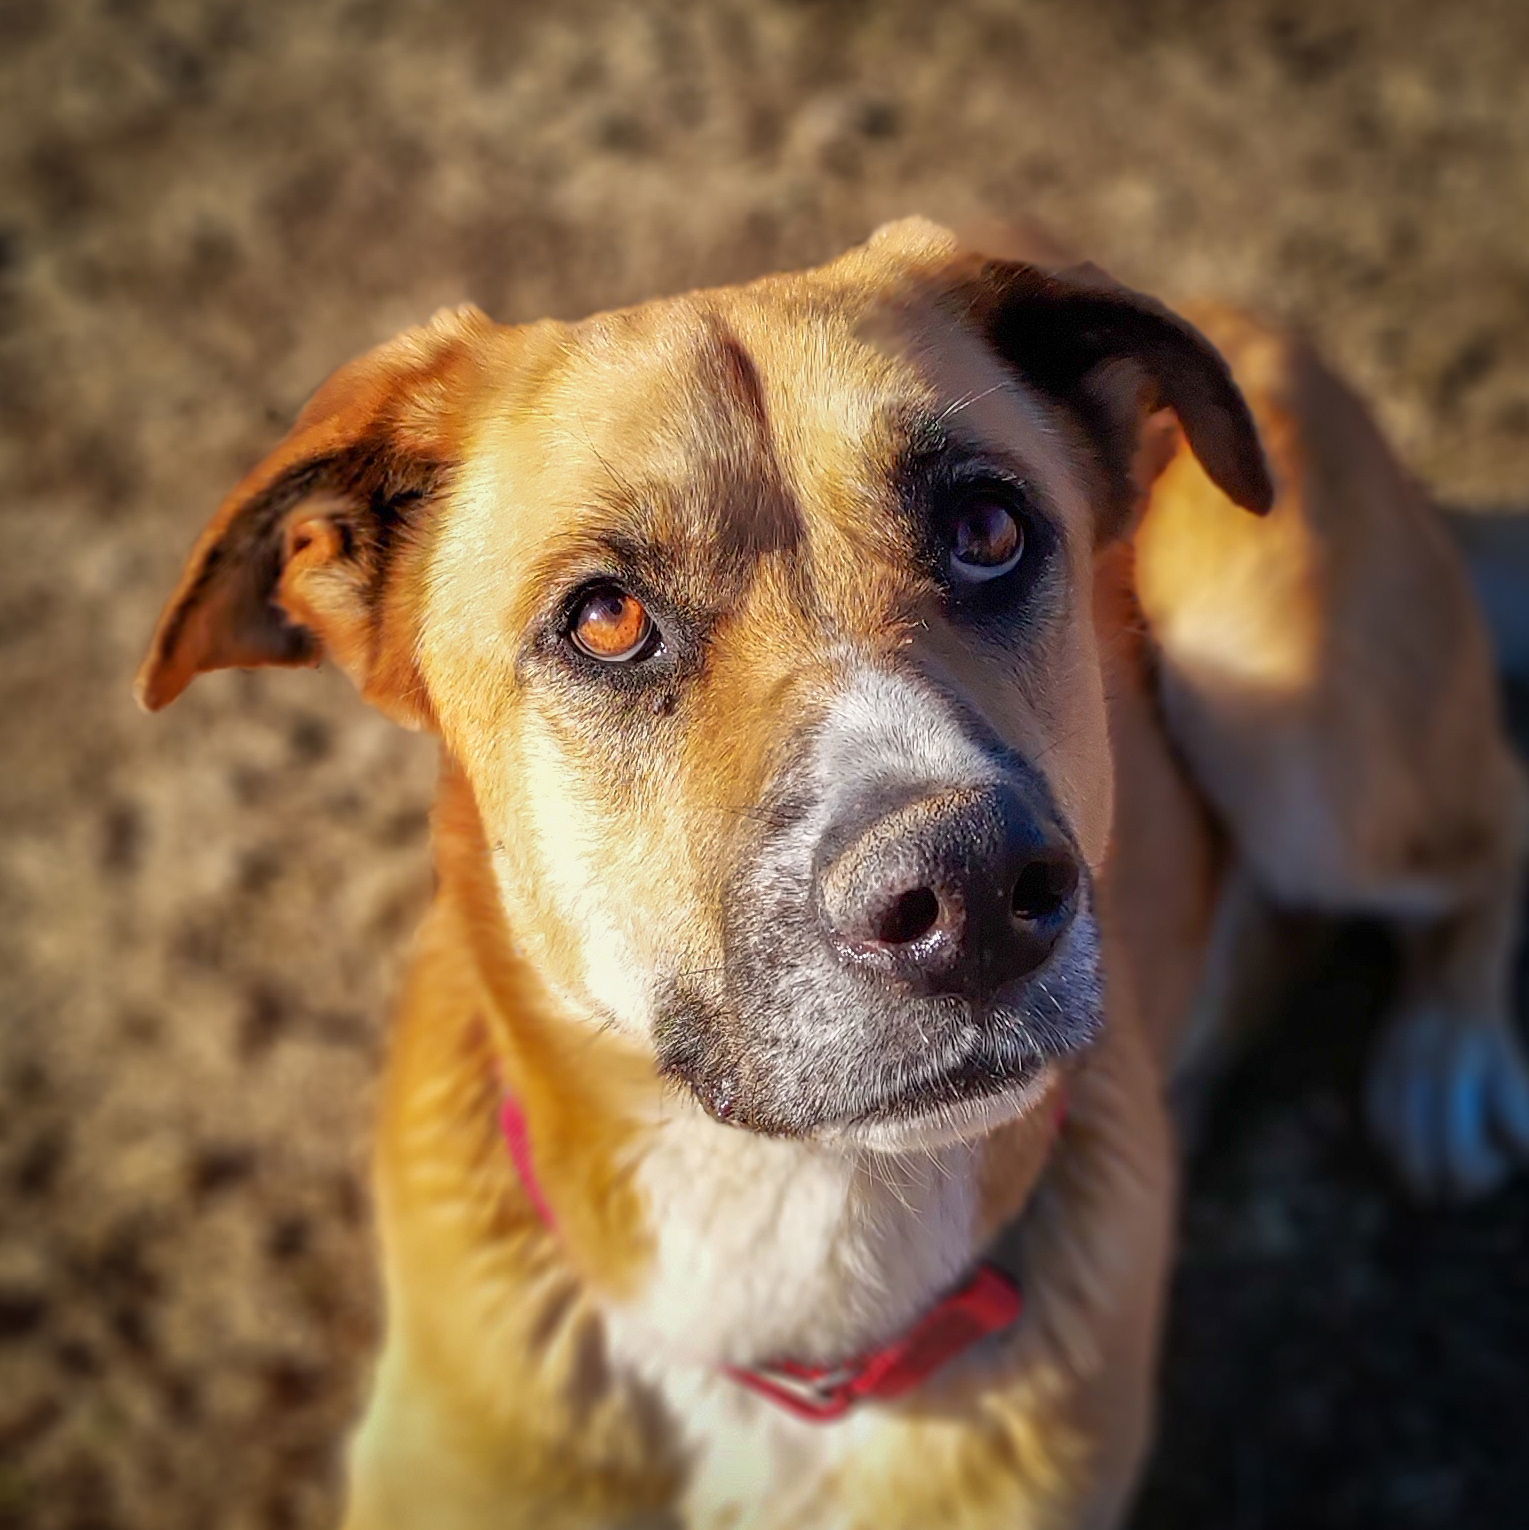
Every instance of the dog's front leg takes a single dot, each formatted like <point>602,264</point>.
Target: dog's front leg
<point>1449,1088</point>
<point>422,1461</point>
<point>409,1468</point>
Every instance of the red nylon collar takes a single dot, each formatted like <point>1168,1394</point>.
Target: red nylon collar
<point>987,1303</point>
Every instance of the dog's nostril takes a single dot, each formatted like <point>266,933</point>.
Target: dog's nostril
<point>1044,887</point>
<point>908,916</point>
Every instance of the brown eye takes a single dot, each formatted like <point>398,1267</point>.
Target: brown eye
<point>986,538</point>
<point>611,625</point>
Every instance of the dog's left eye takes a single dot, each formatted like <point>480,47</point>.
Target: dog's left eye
<point>612,625</point>
<point>985,536</point>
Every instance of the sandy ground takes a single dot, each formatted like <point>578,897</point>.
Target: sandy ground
<point>206,205</point>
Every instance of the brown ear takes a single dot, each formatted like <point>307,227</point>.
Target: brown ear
<point>304,556</point>
<point>1117,357</point>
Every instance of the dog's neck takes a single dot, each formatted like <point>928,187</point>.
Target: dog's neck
<point>703,1242</point>
<point>755,1249</point>
<point>763,1250</point>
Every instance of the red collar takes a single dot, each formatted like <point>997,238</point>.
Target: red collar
<point>987,1303</point>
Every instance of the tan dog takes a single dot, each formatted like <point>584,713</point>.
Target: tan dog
<point>819,821</point>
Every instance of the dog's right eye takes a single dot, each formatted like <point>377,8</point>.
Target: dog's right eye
<point>985,535</point>
<point>609,624</point>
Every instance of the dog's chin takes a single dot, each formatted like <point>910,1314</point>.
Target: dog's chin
<point>924,1121</point>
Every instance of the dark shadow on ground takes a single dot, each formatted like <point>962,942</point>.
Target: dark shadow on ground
<point>1337,1355</point>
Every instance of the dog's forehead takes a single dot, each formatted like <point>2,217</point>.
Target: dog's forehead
<point>730,424</point>
<point>775,369</point>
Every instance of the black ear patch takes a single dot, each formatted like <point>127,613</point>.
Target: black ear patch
<point>1061,330</point>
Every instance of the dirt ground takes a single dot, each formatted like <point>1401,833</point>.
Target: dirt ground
<point>206,204</point>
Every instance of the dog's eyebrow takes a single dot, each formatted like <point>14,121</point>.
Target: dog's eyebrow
<point>925,437</point>
<point>931,450</point>
<point>621,552</point>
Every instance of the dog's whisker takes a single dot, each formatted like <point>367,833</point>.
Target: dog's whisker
<point>1057,743</point>
<point>952,410</point>
<point>688,972</point>
<point>616,479</point>
<point>757,812</point>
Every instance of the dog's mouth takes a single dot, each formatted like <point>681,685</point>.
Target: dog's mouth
<point>955,1106</point>
<point>894,1077</point>
<point>970,1081</point>
<point>993,1070</point>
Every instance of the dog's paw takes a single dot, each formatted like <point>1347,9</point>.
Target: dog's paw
<point>1449,1101</point>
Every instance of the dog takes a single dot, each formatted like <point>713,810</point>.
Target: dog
<point>876,704</point>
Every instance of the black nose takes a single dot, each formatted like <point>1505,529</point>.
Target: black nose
<point>957,893</point>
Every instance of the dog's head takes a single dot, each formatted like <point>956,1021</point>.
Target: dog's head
<point>760,622</point>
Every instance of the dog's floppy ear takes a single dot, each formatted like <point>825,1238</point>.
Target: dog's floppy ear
<point>1118,358</point>
<point>302,559</point>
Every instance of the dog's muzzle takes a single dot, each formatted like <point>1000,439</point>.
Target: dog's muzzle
<point>913,934</point>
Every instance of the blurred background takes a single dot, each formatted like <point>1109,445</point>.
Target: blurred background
<point>207,204</point>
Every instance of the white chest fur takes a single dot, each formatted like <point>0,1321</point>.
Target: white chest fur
<point>768,1250</point>
<point>765,1248</point>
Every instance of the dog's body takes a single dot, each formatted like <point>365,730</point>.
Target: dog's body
<point>753,852</point>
